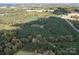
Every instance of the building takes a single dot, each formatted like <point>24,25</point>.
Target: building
<point>40,10</point>
<point>50,11</point>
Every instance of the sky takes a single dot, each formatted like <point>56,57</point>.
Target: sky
<point>39,1</point>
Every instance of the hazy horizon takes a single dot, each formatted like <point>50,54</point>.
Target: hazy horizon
<point>43,4</point>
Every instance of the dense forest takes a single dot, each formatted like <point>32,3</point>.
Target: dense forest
<point>46,34</point>
<point>41,33</point>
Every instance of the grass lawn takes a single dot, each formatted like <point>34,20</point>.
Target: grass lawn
<point>21,52</point>
<point>7,27</point>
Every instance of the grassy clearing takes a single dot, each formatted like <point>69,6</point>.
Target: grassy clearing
<point>7,27</point>
<point>21,52</point>
<point>12,16</point>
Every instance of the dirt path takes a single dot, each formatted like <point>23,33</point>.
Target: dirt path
<point>72,25</point>
<point>66,19</point>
